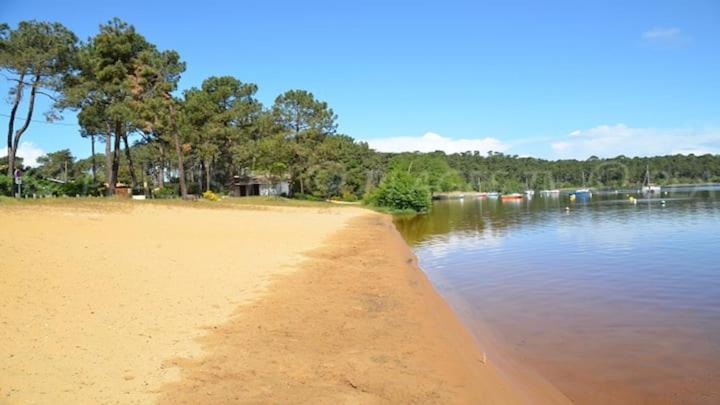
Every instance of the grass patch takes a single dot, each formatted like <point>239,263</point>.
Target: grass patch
<point>101,203</point>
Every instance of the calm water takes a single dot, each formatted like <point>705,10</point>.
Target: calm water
<point>609,301</point>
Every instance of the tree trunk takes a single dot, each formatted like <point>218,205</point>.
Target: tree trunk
<point>116,156</point>
<point>161,167</point>
<point>290,184</point>
<point>131,166</point>
<point>207,176</point>
<point>21,131</point>
<point>108,160</point>
<point>11,123</point>
<point>302,186</point>
<point>94,163</point>
<point>179,151</point>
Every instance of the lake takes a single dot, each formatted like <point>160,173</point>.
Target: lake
<point>610,301</point>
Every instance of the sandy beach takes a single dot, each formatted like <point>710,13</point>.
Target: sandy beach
<point>121,303</point>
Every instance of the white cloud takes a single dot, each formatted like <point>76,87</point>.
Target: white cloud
<point>28,151</point>
<point>431,142</point>
<point>665,37</point>
<point>661,34</point>
<point>620,139</point>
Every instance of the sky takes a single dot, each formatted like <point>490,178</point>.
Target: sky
<point>550,79</point>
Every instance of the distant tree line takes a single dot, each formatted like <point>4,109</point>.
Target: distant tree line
<point>142,132</point>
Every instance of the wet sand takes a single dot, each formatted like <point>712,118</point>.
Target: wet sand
<point>181,305</point>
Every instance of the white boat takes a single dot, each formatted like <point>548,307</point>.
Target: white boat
<point>648,187</point>
<point>548,192</point>
<point>493,195</point>
<point>530,192</point>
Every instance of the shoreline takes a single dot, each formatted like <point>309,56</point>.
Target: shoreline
<point>379,333</point>
<point>349,317</point>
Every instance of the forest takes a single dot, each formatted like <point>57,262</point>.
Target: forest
<point>167,143</point>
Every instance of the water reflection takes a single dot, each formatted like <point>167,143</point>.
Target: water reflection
<point>612,300</point>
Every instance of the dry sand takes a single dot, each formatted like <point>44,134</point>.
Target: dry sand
<point>181,305</point>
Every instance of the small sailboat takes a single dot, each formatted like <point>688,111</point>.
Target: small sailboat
<point>648,187</point>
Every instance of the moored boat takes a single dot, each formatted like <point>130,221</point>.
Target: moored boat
<point>648,187</point>
<point>513,196</point>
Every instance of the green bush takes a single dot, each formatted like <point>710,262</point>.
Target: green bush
<point>307,197</point>
<point>82,186</point>
<point>400,191</point>
<point>166,192</point>
<point>6,185</point>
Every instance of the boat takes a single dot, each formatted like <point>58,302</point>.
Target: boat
<point>549,192</point>
<point>493,195</point>
<point>648,187</point>
<point>530,192</point>
<point>513,196</point>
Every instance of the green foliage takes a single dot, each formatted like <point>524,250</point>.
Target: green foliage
<point>431,169</point>
<point>6,184</point>
<point>304,122</point>
<point>222,125</point>
<point>56,165</point>
<point>38,49</point>
<point>38,55</point>
<point>509,173</point>
<point>399,190</point>
<point>165,192</point>
<point>307,197</point>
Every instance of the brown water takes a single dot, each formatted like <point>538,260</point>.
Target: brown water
<point>610,301</point>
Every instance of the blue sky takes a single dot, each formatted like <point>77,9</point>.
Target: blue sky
<point>548,79</point>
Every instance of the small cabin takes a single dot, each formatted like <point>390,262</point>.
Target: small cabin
<point>243,186</point>
<point>123,190</point>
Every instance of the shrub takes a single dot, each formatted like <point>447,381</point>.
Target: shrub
<point>400,191</point>
<point>6,185</point>
<point>165,192</point>
<point>209,195</point>
<point>308,197</point>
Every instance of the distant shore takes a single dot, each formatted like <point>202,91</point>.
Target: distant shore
<point>268,304</point>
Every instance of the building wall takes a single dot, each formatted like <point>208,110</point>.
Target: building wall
<point>274,189</point>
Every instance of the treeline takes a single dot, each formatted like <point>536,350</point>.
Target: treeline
<point>124,90</point>
<point>510,173</point>
<point>144,133</point>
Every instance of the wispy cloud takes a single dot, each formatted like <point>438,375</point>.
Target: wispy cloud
<point>431,142</point>
<point>665,37</point>
<point>661,34</point>
<point>620,139</point>
<point>28,151</point>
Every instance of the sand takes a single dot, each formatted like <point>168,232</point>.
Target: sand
<point>145,303</point>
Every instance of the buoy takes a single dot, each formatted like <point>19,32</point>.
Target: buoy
<point>567,208</point>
